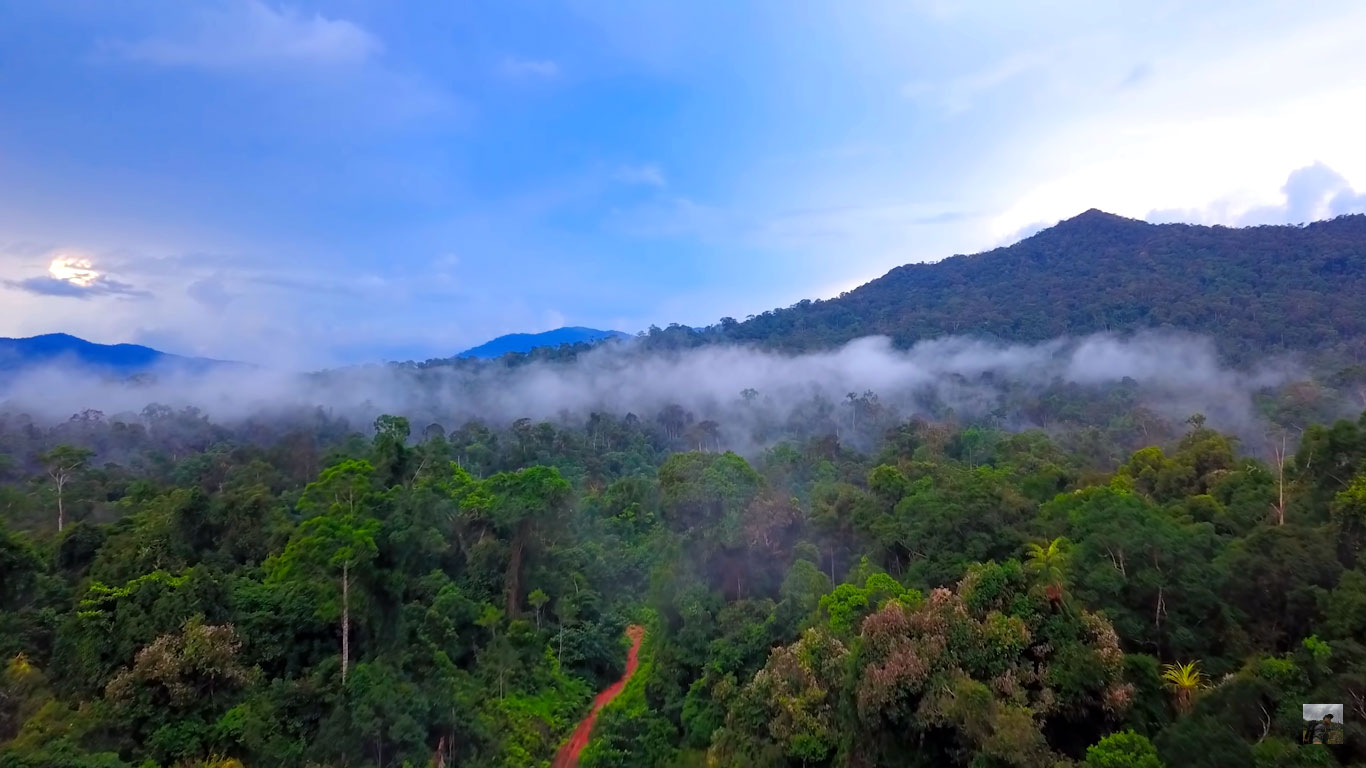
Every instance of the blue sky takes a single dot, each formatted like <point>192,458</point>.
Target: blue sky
<point>306,184</point>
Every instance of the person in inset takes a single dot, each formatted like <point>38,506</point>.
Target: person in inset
<point>1323,728</point>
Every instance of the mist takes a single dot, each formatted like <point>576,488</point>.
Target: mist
<point>1173,375</point>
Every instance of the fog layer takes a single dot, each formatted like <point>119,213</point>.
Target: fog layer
<point>735,386</point>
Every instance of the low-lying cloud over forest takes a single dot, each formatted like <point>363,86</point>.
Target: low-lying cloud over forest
<point>743,395</point>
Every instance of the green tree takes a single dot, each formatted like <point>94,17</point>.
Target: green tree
<point>1125,749</point>
<point>538,598</point>
<point>342,487</point>
<point>566,611</point>
<point>951,678</point>
<point>1047,561</point>
<point>178,683</point>
<point>64,464</point>
<point>340,545</point>
<point>1152,573</point>
<point>526,507</point>
<point>390,447</point>
<point>1349,515</point>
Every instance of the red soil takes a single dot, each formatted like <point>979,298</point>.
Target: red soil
<point>568,756</point>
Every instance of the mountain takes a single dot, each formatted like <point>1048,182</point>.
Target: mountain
<point>1255,290</point>
<point>525,342</point>
<point>117,359</point>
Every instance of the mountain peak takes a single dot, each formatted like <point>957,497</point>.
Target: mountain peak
<point>1095,216</point>
<point>1093,222</point>
<point>525,342</point>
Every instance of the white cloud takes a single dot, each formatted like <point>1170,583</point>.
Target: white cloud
<point>1212,129</point>
<point>76,270</point>
<point>1310,193</point>
<point>72,274</point>
<point>649,175</point>
<point>530,68</point>
<point>249,33</point>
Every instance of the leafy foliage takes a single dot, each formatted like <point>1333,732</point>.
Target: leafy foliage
<point>953,596</point>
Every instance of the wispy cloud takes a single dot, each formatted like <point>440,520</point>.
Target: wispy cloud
<point>209,292</point>
<point>74,276</point>
<point>530,68</point>
<point>959,94</point>
<point>673,217</point>
<point>249,33</point>
<point>1311,193</point>
<point>846,224</point>
<point>649,175</point>
<point>51,286</point>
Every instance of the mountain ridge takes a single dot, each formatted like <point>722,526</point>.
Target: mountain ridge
<point>19,353</point>
<point>526,342</point>
<point>1284,287</point>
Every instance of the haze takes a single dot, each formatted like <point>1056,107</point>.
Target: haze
<point>1176,376</point>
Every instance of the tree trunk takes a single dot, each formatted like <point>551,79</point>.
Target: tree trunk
<point>439,759</point>
<point>61,511</point>
<point>514,575</point>
<point>346,619</point>
<point>1160,609</point>
<point>1279,506</point>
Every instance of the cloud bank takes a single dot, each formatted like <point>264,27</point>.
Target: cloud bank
<point>1311,193</point>
<point>1175,376</point>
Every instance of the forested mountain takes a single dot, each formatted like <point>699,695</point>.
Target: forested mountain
<point>112,359</point>
<point>526,342</point>
<point>1255,290</point>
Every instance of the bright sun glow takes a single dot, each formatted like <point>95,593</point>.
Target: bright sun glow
<point>76,271</point>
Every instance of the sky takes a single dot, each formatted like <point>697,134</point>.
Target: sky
<point>307,184</point>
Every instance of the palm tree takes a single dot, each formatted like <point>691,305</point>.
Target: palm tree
<point>1047,560</point>
<point>1184,680</point>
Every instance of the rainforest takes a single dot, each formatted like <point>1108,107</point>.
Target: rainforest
<point>682,384</point>
<point>858,586</point>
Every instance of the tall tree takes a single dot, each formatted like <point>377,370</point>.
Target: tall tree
<point>63,463</point>
<point>525,506</point>
<point>339,545</point>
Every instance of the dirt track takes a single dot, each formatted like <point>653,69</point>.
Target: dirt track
<point>568,756</point>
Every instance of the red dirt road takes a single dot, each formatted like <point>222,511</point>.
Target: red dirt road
<point>568,756</point>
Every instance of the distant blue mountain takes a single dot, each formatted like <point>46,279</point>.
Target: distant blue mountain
<point>525,342</point>
<point>121,359</point>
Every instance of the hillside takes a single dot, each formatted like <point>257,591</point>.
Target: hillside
<point>525,342</point>
<point>118,359</point>
<point>1256,289</point>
